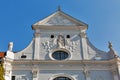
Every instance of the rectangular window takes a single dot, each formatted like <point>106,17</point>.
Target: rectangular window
<point>13,78</point>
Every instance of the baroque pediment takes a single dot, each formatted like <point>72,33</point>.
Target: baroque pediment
<point>59,18</point>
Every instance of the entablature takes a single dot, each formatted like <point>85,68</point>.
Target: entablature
<point>113,61</point>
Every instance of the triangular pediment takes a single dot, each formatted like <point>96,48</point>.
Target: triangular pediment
<point>59,18</point>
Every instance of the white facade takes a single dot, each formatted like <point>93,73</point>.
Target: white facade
<point>60,50</point>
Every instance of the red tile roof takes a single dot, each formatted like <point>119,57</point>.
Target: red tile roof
<point>2,54</point>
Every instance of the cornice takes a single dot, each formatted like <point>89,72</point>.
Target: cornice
<point>67,64</point>
<point>56,27</point>
<point>113,61</point>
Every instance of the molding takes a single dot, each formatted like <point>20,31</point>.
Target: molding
<point>47,27</point>
<point>29,61</point>
<point>67,64</point>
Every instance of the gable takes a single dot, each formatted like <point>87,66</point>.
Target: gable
<point>59,18</point>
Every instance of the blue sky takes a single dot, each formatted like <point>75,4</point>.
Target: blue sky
<point>17,16</point>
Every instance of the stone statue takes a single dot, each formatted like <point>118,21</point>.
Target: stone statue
<point>115,55</point>
<point>110,45</point>
<point>61,41</point>
<point>10,46</point>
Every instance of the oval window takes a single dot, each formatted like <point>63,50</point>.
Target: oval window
<point>62,78</point>
<point>60,55</point>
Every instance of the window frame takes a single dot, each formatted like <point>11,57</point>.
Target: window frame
<point>60,55</point>
<point>64,78</point>
<point>62,75</point>
<point>64,50</point>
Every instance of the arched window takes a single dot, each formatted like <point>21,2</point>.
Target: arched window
<point>61,78</point>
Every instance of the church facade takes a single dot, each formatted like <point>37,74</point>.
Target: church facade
<point>61,50</point>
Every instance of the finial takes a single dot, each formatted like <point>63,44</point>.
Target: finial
<point>110,45</point>
<point>59,8</point>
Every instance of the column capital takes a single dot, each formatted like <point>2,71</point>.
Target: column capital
<point>114,72</point>
<point>83,34</point>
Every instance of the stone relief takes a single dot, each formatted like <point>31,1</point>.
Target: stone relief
<point>60,42</point>
<point>59,20</point>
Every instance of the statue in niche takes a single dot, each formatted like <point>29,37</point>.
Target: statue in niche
<point>61,41</point>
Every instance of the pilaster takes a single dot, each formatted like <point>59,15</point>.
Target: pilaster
<point>115,75</point>
<point>119,71</point>
<point>118,66</point>
<point>83,45</point>
<point>36,46</point>
<point>35,74</point>
<point>86,73</point>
